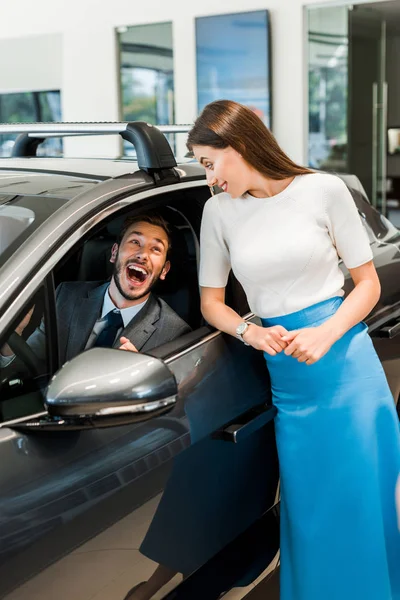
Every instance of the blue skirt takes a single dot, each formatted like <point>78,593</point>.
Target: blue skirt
<point>339,452</point>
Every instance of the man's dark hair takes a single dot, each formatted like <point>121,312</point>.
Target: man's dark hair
<point>150,218</point>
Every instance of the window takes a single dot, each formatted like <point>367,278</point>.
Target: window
<point>31,107</point>
<point>147,75</point>
<point>327,88</point>
<point>20,216</point>
<point>233,60</point>
<point>24,364</point>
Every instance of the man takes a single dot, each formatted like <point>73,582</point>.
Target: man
<point>122,313</point>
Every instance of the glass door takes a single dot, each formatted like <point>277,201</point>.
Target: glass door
<point>327,88</point>
<point>348,94</point>
<point>367,101</point>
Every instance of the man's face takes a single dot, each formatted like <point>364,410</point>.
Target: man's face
<point>140,260</point>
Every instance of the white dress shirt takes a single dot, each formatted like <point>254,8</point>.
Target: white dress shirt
<point>127,315</point>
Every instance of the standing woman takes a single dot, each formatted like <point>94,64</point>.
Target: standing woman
<point>282,229</point>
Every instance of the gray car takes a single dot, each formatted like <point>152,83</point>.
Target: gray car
<point>115,462</point>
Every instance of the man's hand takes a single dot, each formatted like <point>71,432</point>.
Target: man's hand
<point>127,345</point>
<point>310,344</point>
<point>25,321</point>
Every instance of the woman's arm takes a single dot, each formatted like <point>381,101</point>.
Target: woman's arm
<point>216,312</point>
<point>358,303</point>
<point>224,318</point>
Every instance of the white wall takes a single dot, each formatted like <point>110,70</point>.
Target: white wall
<point>88,71</point>
<point>31,63</point>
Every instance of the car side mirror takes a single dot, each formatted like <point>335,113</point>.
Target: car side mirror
<point>111,387</point>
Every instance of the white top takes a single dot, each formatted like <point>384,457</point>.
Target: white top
<point>284,249</point>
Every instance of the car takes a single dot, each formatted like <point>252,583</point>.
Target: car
<point>116,462</point>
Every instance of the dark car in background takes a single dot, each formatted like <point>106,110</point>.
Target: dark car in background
<point>105,476</point>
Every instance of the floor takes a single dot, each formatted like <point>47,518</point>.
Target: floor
<point>266,590</point>
<point>266,587</point>
<point>103,568</point>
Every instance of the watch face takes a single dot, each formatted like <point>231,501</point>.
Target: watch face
<point>241,328</point>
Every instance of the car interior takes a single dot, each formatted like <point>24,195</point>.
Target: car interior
<point>180,289</point>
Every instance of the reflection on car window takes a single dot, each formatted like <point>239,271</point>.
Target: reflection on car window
<point>392,230</point>
<point>13,221</point>
<point>24,370</point>
<point>20,216</point>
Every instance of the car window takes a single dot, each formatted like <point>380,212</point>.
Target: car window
<point>235,296</point>
<point>90,261</point>
<point>20,216</point>
<point>24,364</point>
<point>370,216</point>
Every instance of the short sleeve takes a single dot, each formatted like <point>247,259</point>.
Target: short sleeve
<point>345,226</point>
<point>214,254</point>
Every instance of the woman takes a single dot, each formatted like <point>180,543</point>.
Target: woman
<point>282,229</point>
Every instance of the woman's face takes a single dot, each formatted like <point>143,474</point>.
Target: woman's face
<point>225,168</point>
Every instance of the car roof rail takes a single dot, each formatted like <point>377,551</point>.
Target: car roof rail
<point>152,148</point>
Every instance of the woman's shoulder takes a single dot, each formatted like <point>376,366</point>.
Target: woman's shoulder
<point>320,180</point>
<point>219,203</point>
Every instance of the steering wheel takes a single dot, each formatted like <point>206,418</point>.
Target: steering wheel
<point>25,353</point>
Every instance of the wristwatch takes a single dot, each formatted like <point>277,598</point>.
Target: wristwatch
<point>241,330</point>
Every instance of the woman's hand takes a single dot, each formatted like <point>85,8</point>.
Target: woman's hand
<point>310,344</point>
<point>267,339</point>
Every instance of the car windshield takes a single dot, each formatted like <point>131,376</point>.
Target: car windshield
<point>20,216</point>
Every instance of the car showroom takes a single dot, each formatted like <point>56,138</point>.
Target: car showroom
<point>200,300</point>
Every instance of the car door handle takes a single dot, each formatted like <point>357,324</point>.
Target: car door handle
<point>245,424</point>
<point>390,330</point>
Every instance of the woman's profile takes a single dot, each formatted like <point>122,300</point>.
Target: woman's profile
<point>282,229</point>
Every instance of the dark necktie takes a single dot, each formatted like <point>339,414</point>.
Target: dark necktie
<point>106,337</point>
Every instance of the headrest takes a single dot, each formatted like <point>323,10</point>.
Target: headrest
<point>173,217</point>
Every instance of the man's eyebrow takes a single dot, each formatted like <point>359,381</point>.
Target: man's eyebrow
<point>140,233</point>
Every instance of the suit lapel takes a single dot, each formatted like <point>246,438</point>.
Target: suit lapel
<point>141,327</point>
<point>84,316</point>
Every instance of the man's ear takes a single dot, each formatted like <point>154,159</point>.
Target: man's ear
<point>114,252</point>
<point>165,270</point>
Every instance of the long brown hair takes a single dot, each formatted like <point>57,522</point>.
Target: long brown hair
<point>226,123</point>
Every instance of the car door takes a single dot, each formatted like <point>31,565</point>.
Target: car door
<point>229,475</point>
<point>90,511</point>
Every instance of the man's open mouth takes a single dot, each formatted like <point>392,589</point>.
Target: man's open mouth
<point>136,274</point>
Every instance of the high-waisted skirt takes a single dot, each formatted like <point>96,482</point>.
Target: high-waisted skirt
<point>338,443</point>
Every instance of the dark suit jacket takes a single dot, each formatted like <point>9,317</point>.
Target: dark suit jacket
<point>78,307</point>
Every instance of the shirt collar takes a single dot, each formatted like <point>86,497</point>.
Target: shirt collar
<point>127,314</point>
